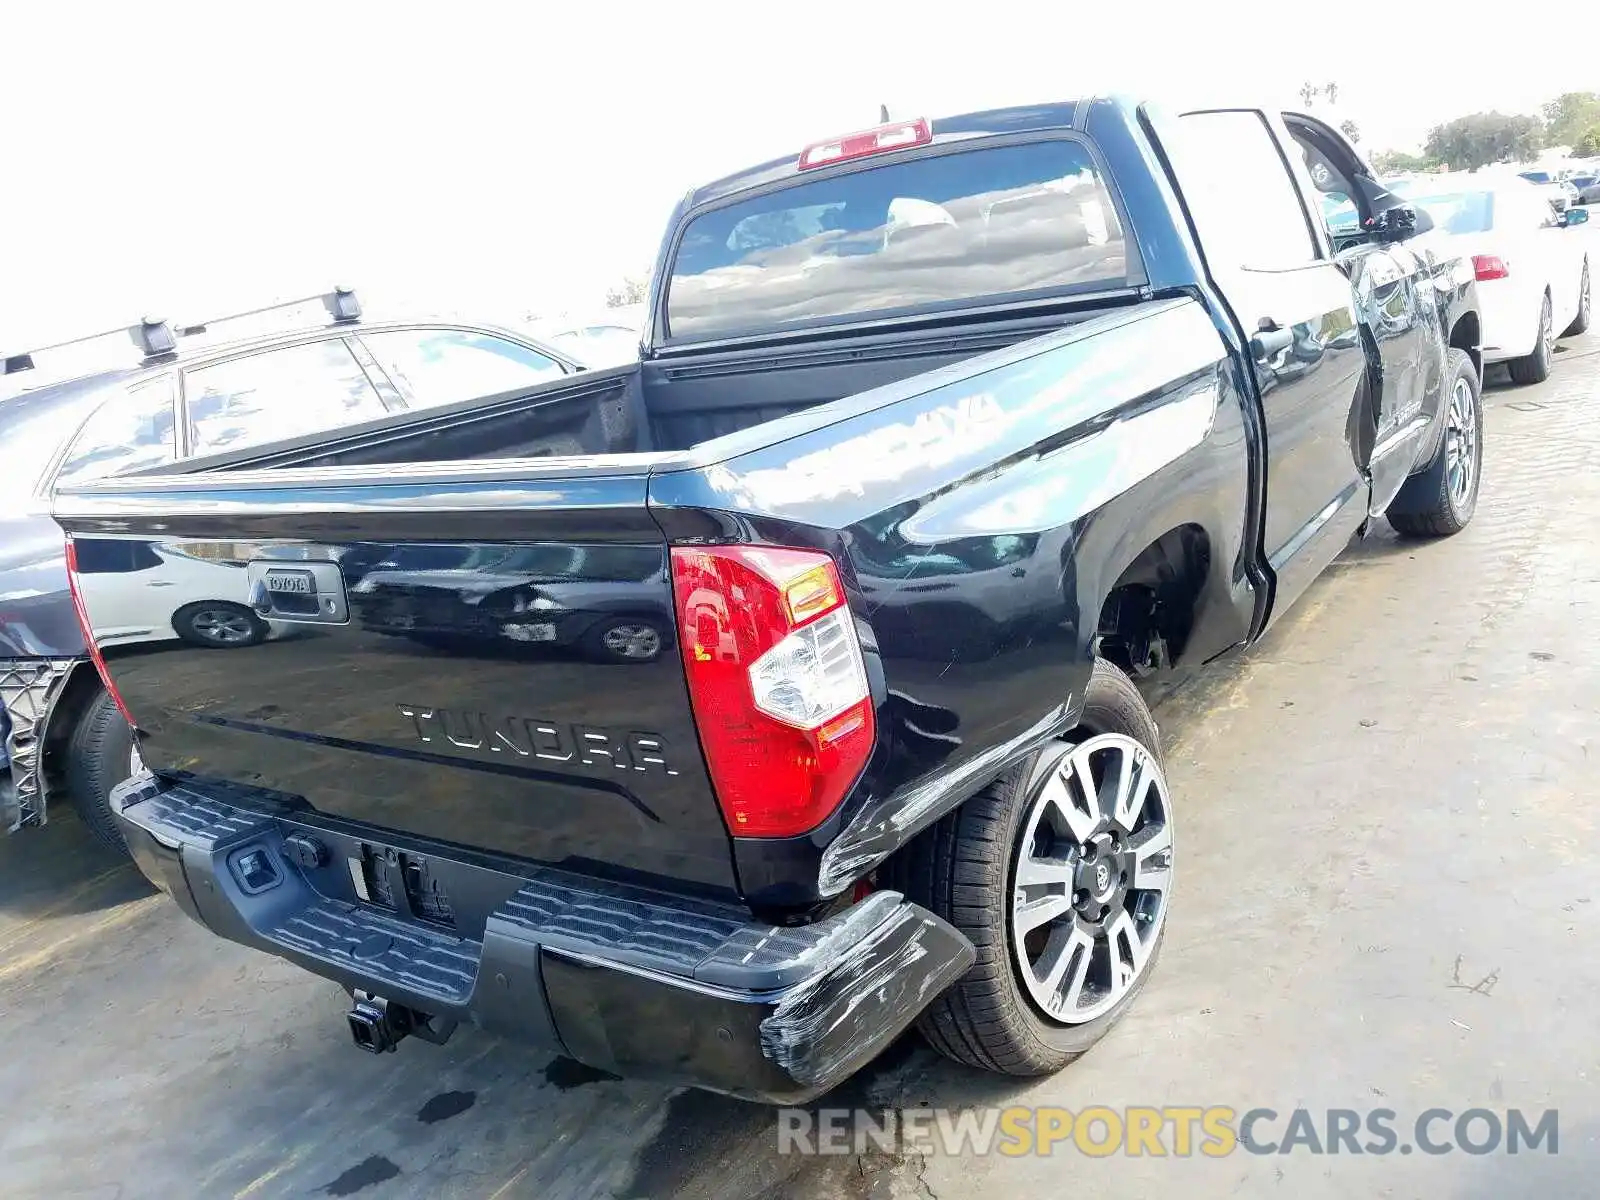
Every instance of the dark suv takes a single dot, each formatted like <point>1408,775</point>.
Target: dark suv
<point>191,392</point>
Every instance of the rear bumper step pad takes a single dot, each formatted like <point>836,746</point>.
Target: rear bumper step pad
<point>632,981</point>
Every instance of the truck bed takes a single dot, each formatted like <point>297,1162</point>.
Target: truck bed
<point>670,403</point>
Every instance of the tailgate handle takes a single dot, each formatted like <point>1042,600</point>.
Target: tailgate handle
<point>310,592</point>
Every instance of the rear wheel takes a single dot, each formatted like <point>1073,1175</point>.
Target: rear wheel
<point>100,755</point>
<point>1535,367</point>
<point>218,624</point>
<point>626,640</point>
<point>1440,499</point>
<point>1580,323</point>
<point>1061,876</point>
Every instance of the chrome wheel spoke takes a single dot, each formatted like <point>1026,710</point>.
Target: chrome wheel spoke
<point>1030,914</point>
<point>1152,858</point>
<point>1063,983</point>
<point>1128,953</point>
<point>1043,872</point>
<point>1133,791</point>
<point>1077,798</point>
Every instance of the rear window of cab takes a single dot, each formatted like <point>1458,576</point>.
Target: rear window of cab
<point>904,234</point>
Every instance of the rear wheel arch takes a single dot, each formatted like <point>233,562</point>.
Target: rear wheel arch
<point>79,692</point>
<point>1144,620</point>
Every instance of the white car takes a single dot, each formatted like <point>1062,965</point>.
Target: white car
<point>151,594</point>
<point>605,339</point>
<point>1532,263</point>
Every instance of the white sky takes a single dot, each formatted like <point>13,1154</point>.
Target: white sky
<point>185,159</point>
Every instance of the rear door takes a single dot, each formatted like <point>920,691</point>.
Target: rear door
<point>479,653</point>
<point>1295,308</point>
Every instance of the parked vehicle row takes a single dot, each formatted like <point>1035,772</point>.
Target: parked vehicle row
<point>942,433</point>
<point>1531,263</point>
<point>184,392</point>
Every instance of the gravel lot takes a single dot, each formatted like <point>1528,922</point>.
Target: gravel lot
<point>1390,895</point>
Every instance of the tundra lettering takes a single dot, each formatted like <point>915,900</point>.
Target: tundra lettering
<point>530,737</point>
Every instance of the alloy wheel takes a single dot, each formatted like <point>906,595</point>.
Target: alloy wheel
<point>1461,443</point>
<point>1092,878</point>
<point>223,626</point>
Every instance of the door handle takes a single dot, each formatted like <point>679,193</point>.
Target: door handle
<point>1271,341</point>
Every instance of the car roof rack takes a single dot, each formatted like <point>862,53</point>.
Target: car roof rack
<point>157,338</point>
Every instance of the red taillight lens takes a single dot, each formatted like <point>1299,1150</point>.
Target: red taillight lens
<point>88,633</point>
<point>776,680</point>
<point>1489,266</point>
<point>900,135</point>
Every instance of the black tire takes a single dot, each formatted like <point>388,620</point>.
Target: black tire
<point>199,622</point>
<point>1535,367</point>
<point>1580,323</point>
<point>630,640</point>
<point>99,755</point>
<point>961,869</point>
<point>1427,506</point>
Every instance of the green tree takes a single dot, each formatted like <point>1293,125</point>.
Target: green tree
<point>1479,139</point>
<point>634,289</point>
<point>1331,91</point>
<point>1399,162</point>
<point>1588,143</point>
<point>1569,116</point>
<point>1350,129</point>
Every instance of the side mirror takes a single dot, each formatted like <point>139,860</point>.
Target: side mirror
<point>1394,224</point>
<point>1575,216</point>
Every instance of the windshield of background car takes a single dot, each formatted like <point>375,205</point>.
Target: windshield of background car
<point>906,234</point>
<point>1466,211</point>
<point>1470,211</point>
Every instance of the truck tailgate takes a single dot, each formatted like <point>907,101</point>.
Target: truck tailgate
<point>482,655</point>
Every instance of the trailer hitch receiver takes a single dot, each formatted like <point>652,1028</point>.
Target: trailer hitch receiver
<point>378,1025</point>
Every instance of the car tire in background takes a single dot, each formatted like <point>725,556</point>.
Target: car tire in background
<point>1580,323</point>
<point>1010,856</point>
<point>626,640</point>
<point>218,624</point>
<point>1440,499</point>
<point>1535,367</point>
<point>99,756</point>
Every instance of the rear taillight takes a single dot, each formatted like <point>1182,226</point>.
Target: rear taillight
<point>776,680</point>
<point>1489,266</point>
<point>88,632</point>
<point>900,135</point>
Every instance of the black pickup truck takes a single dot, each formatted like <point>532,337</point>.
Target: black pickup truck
<point>940,433</point>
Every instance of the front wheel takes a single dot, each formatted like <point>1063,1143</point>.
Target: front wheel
<point>1060,873</point>
<point>1440,499</point>
<point>1580,323</point>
